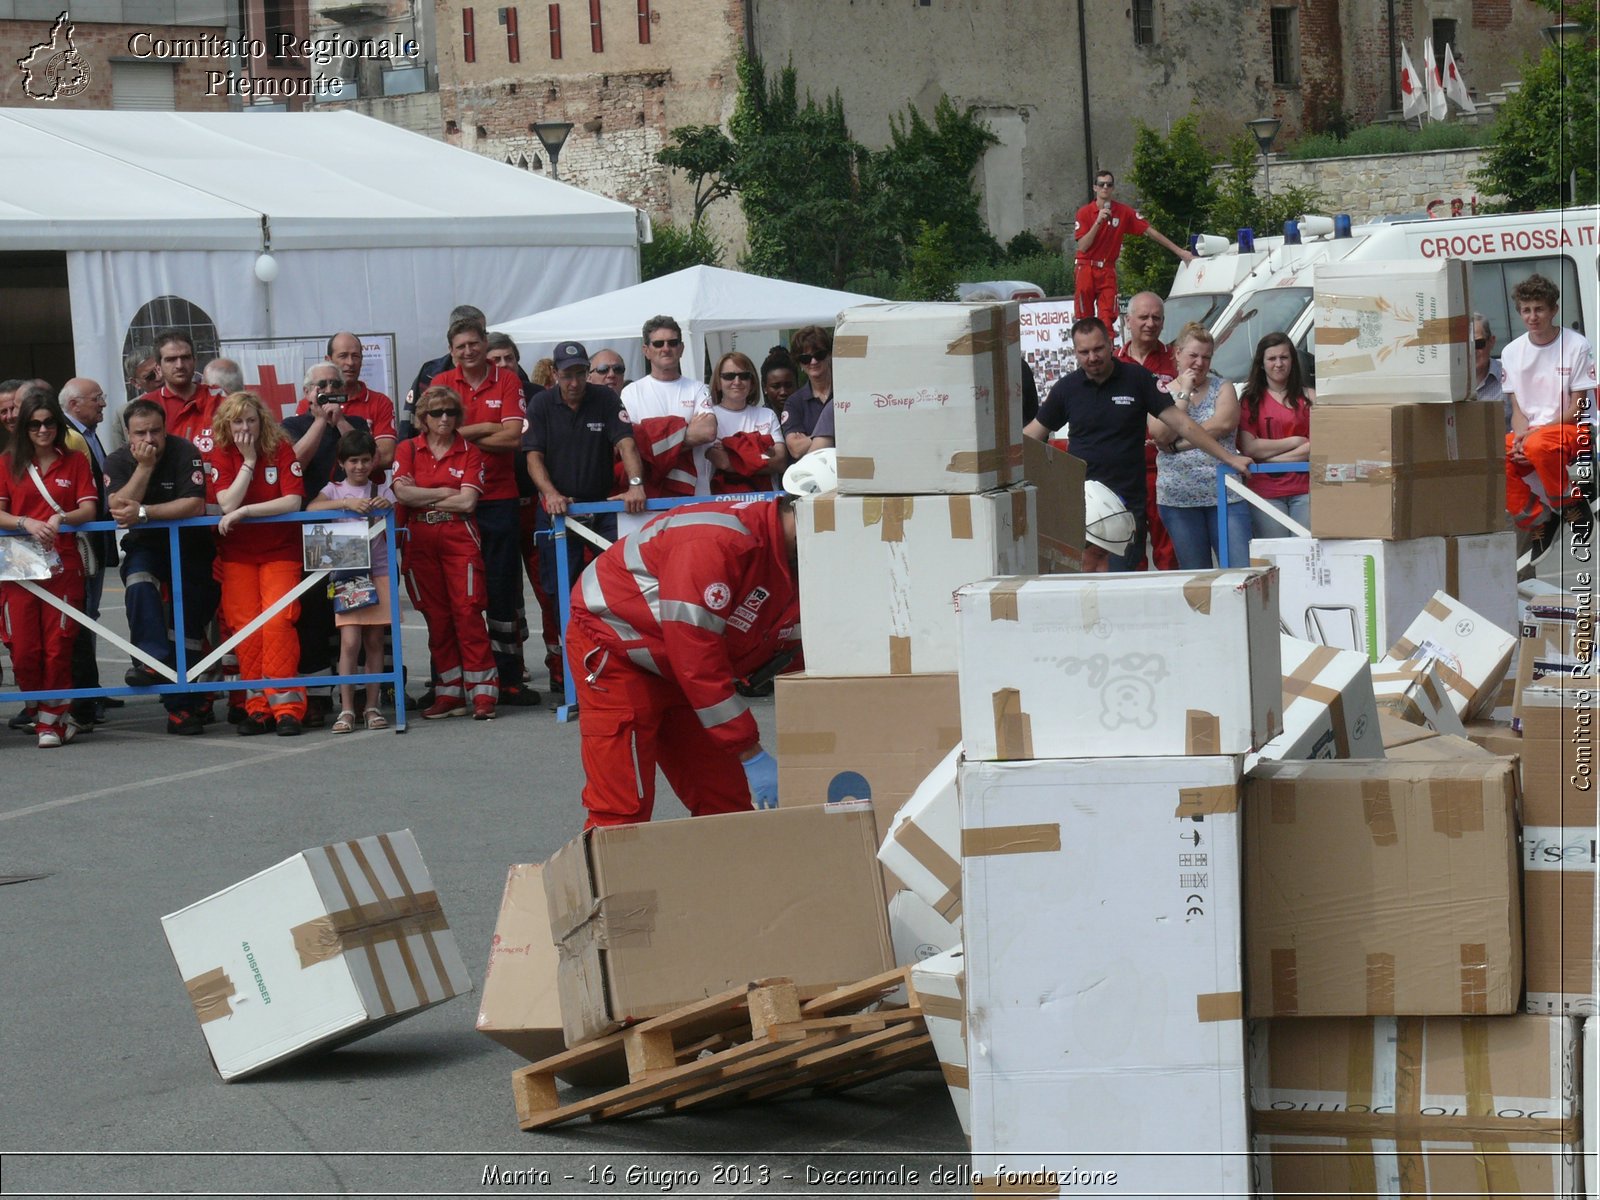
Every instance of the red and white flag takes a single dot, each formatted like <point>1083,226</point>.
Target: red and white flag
<point>1413,103</point>
<point>1433,83</point>
<point>1454,86</point>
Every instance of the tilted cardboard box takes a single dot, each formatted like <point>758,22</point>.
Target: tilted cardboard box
<point>1137,665</point>
<point>1417,694</point>
<point>1329,710</point>
<point>1382,888</point>
<point>923,846</point>
<point>927,398</point>
<point>941,986</point>
<point>1392,332</point>
<point>1470,653</point>
<point>649,918</point>
<point>1059,478</point>
<point>328,946</point>
<point>1413,1106</point>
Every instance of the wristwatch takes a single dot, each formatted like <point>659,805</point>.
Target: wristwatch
<point>635,481</point>
<point>143,516</point>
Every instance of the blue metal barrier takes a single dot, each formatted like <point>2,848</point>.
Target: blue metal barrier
<point>1223,471</point>
<point>186,685</point>
<point>558,533</point>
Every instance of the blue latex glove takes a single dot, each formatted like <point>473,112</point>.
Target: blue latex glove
<point>762,772</point>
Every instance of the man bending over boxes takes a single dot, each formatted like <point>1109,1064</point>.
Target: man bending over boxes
<point>1549,379</point>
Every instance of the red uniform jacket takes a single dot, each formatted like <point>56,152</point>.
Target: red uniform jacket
<point>747,454</point>
<point>668,459</point>
<point>702,596</point>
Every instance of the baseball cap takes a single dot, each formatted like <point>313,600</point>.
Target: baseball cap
<point>570,354</point>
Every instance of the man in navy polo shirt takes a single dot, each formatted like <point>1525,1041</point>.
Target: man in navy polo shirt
<point>576,431</point>
<point>1103,405</point>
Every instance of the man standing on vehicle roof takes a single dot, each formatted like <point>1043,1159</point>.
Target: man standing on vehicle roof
<point>1098,234</point>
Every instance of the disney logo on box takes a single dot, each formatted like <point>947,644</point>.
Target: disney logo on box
<point>923,397</point>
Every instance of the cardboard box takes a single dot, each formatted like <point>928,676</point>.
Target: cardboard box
<point>923,846</point>
<point>1497,737</point>
<point>916,931</point>
<point>651,917</point>
<point>1416,694</point>
<point>1557,640</point>
<point>863,743</point>
<point>1394,331</point>
<point>1102,953</point>
<point>1412,1106</point>
<point>1480,570</point>
<point>1329,710</point>
<point>1470,654</point>
<point>1398,733</point>
<point>1110,665</point>
<point>927,398</point>
<point>1404,471</point>
<point>1352,595</point>
<point>1443,747</point>
<point>326,947</point>
<point>1558,901</point>
<point>1059,479</point>
<point>1376,888</point>
<point>878,574</point>
<point>1591,1107</point>
<point>941,986</point>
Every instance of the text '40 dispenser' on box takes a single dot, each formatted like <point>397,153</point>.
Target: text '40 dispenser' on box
<point>1153,664</point>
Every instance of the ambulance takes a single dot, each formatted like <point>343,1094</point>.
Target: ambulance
<point>1245,289</point>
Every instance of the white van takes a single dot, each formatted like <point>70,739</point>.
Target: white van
<point>1268,286</point>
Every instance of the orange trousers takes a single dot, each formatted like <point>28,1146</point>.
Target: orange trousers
<point>1094,294</point>
<point>1549,449</point>
<point>273,651</point>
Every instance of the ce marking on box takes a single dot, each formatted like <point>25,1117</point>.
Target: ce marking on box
<point>1194,874</point>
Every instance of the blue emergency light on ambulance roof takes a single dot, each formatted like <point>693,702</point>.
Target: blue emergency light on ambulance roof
<point>1341,225</point>
<point>1291,233</point>
<point>1247,241</point>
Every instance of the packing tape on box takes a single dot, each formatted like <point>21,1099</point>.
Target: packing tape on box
<point>1202,732</point>
<point>1474,978</point>
<point>1380,983</point>
<point>983,341</point>
<point>941,1008</point>
<point>982,462</point>
<point>1219,1006</point>
<point>1327,473</point>
<point>955,1075</point>
<point>1013,727</point>
<point>850,345</point>
<point>1457,806</point>
<point>1357,1126</point>
<point>961,518</point>
<point>889,512</point>
<point>823,517</point>
<point>209,994</point>
<point>1197,595</point>
<point>329,936</point>
<point>1003,598</point>
<point>934,859</point>
<point>1044,838</point>
<point>625,919</point>
<point>1207,801</point>
<point>1019,514</point>
<point>1301,682</point>
<point>1377,810</point>
<point>1406,650</point>
<point>805,744</point>
<point>899,655</point>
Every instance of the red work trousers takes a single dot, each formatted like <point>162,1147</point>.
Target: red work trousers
<point>632,721</point>
<point>1094,294</point>
<point>443,566</point>
<point>549,615</point>
<point>41,636</point>
<point>1162,557</point>
<point>273,651</point>
<point>1549,448</point>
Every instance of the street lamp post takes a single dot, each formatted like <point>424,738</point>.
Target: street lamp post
<point>552,136</point>
<point>1265,130</point>
<point>1559,38</point>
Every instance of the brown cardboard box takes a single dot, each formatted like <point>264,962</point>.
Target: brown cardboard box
<point>1382,887</point>
<point>851,741</point>
<point>1398,732</point>
<point>649,918</point>
<point>1444,747</point>
<point>1557,640</point>
<point>1412,1106</point>
<point>1397,471</point>
<point>1497,737</point>
<point>1059,478</point>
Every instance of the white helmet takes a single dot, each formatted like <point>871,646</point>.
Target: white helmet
<point>813,473</point>
<point>1106,520</point>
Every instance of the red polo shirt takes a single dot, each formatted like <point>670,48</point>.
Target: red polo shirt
<point>1107,244</point>
<point>462,465</point>
<point>274,476</point>
<point>189,419</point>
<point>69,480</point>
<point>361,401</point>
<point>498,399</point>
<point>1159,362</point>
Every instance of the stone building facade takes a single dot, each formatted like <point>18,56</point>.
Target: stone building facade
<point>1435,183</point>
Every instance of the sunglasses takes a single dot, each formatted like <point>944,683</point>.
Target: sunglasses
<point>805,360</point>
<point>1479,343</point>
<point>36,426</point>
<point>670,342</point>
<point>731,376</point>
<point>454,413</point>
<point>614,368</point>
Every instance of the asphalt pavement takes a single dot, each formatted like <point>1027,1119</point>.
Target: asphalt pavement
<point>105,1083</point>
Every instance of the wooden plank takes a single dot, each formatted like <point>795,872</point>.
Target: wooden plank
<point>857,995</point>
<point>733,1074</point>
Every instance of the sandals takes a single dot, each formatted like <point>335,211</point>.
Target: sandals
<point>346,722</point>
<point>375,719</point>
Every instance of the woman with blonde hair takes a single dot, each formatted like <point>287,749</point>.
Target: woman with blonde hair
<point>254,473</point>
<point>749,434</point>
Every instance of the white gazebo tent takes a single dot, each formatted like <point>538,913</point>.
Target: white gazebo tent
<point>369,227</point>
<point>711,304</point>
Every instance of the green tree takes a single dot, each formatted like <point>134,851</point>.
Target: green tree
<point>673,248</point>
<point>934,265</point>
<point>1238,204</point>
<point>1172,176</point>
<point>1547,131</point>
<point>706,155</point>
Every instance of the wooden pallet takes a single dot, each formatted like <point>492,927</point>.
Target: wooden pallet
<point>754,1042</point>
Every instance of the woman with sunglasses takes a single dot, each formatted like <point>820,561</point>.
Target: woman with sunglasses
<point>44,487</point>
<point>812,347</point>
<point>747,432</point>
<point>439,477</point>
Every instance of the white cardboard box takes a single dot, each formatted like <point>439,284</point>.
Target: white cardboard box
<point>328,946</point>
<point>940,982</point>
<point>1136,665</point>
<point>1102,941</point>
<point>917,931</point>
<point>927,398</point>
<point>878,574</point>
<point>1352,594</point>
<point>923,846</point>
<point>1417,693</point>
<point>1329,709</point>
<point>1394,332</point>
<point>1469,653</point>
<point>1480,570</point>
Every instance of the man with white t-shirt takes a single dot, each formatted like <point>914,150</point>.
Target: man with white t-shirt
<point>1550,380</point>
<point>655,405</point>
